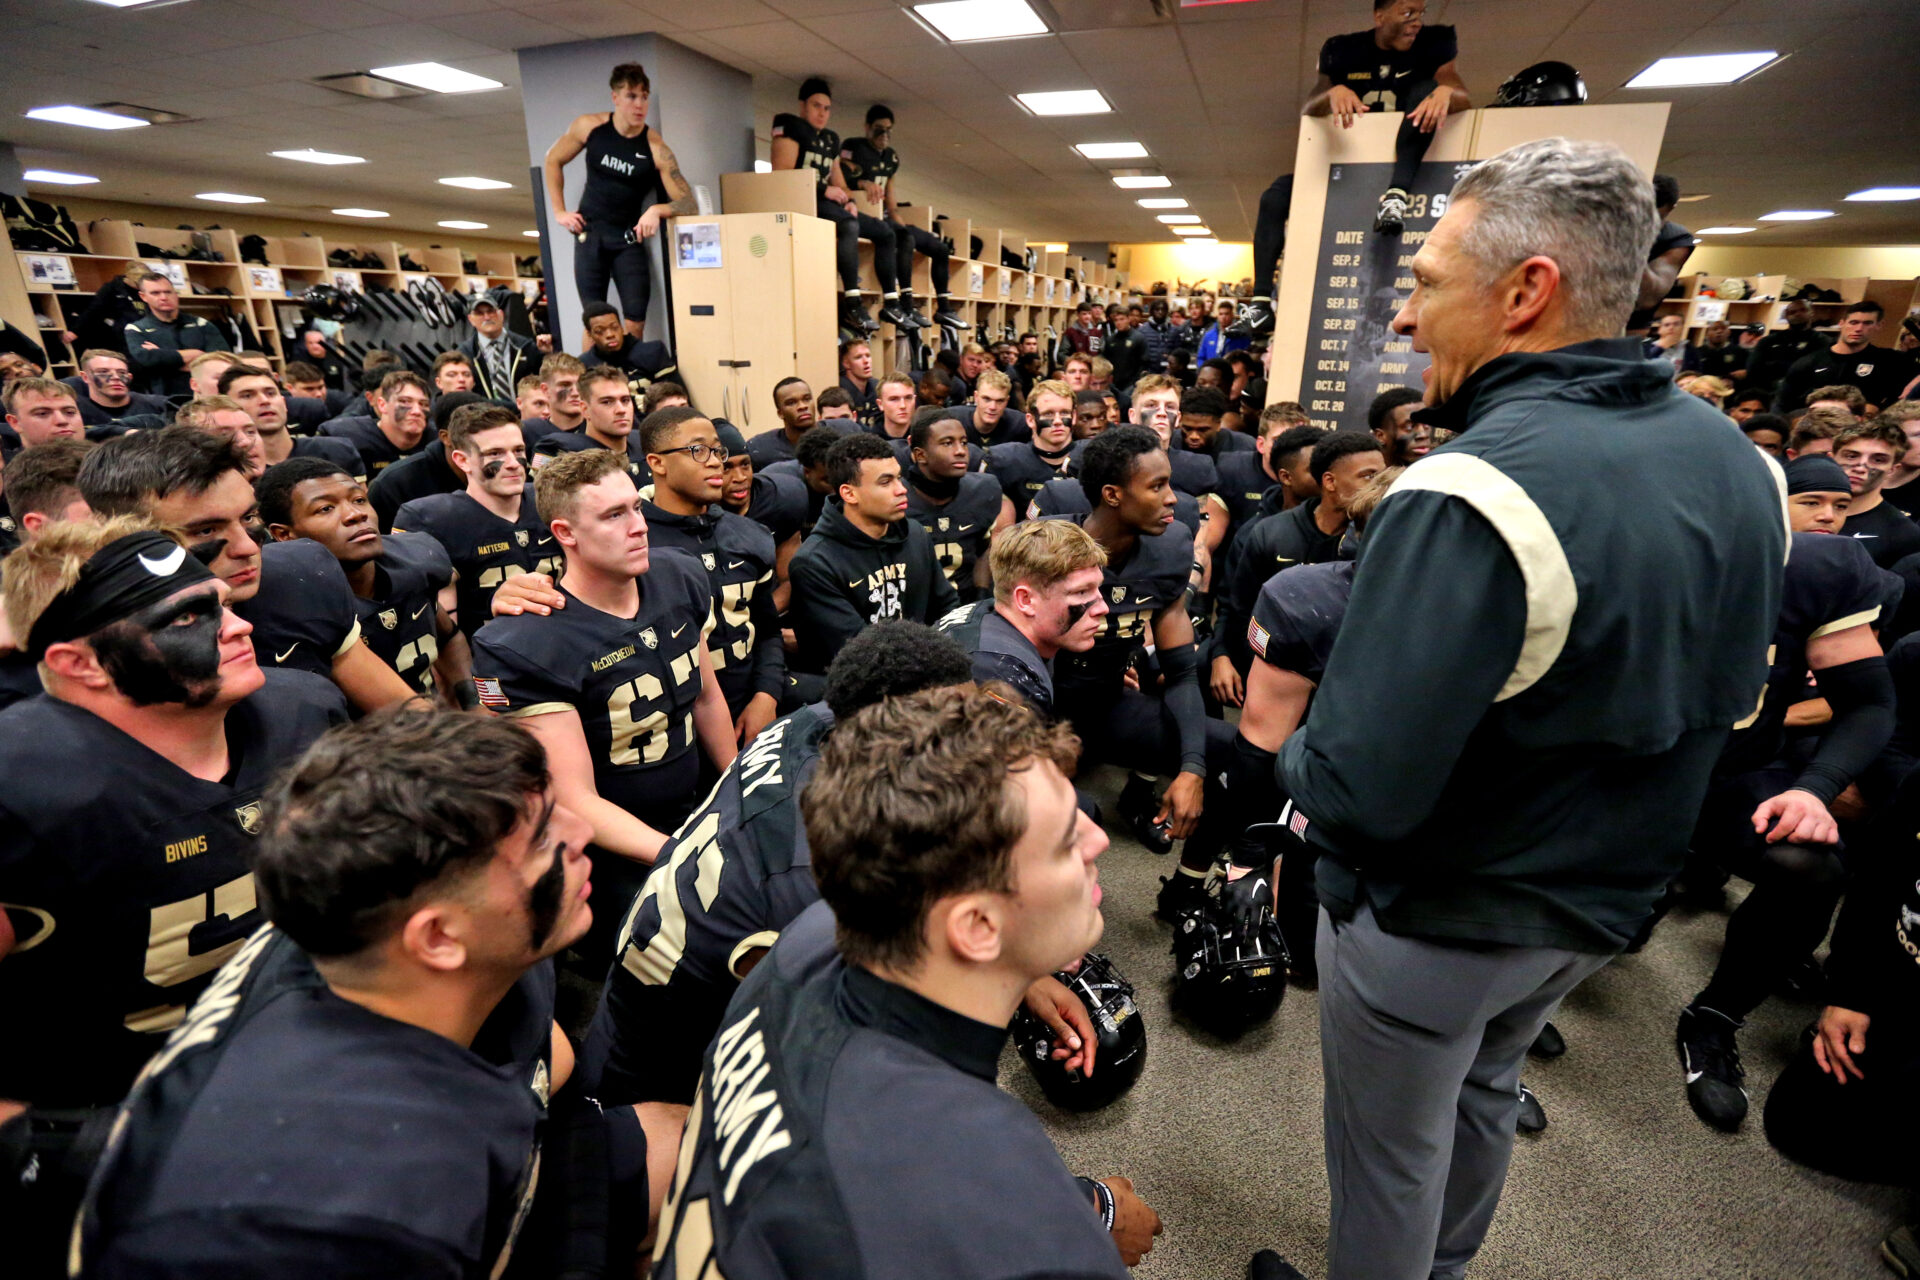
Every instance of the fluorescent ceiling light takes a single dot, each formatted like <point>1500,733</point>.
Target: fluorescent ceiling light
<point>1162,202</point>
<point>229,197</point>
<point>86,117</point>
<point>1706,68</point>
<point>1111,150</point>
<point>1796,215</point>
<point>1141,181</point>
<point>124,4</point>
<point>1179,217</point>
<point>763,166</point>
<point>531,235</point>
<point>1065,102</point>
<point>1887,193</point>
<point>361,213</point>
<point>963,20</point>
<point>436,77</point>
<point>1724,231</point>
<point>461,224</point>
<point>307,155</point>
<point>1191,231</point>
<point>476,184</point>
<point>53,177</point>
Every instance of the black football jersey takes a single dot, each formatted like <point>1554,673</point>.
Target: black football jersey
<point>1243,487</point>
<point>1831,585</point>
<point>633,681</point>
<point>287,1131</point>
<point>732,877</point>
<point>364,434</point>
<point>738,557</point>
<point>819,148</point>
<point>1013,427</point>
<point>1269,545</point>
<point>960,528</point>
<point>778,503</point>
<point>861,161</point>
<point>793,484</point>
<point>485,550</point>
<point>399,622</point>
<point>1297,617</point>
<point>304,615</point>
<point>335,450</point>
<point>1021,471</point>
<point>1193,473</point>
<point>1001,653</point>
<point>579,442</point>
<point>1382,76</point>
<point>126,881</point>
<point>1150,580</point>
<point>807,1147</point>
<point>1066,497</point>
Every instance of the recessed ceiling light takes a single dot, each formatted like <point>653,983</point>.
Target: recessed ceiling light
<point>307,155</point>
<point>1179,217</point>
<point>1191,231</point>
<point>763,166</point>
<point>361,213</point>
<point>1065,102</point>
<point>1111,150</point>
<point>461,224</point>
<point>531,235</point>
<point>1141,181</point>
<point>963,20</point>
<point>1162,202</point>
<point>1887,193</point>
<point>53,177</point>
<point>1706,68</point>
<point>229,197</point>
<point>86,117</point>
<point>436,77</point>
<point>1796,215</point>
<point>1724,231</point>
<point>476,184</point>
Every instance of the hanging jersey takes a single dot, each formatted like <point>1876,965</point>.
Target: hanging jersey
<point>400,622</point>
<point>731,878</point>
<point>819,148</point>
<point>484,549</point>
<point>287,1131</point>
<point>633,681</point>
<point>1152,579</point>
<point>126,881</point>
<point>622,178</point>
<point>1381,77</point>
<point>961,528</point>
<point>1298,615</point>
<point>304,615</point>
<point>738,556</point>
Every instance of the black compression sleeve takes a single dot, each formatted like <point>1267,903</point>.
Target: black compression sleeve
<point>1180,665</point>
<point>1861,694</point>
<point>1254,794</point>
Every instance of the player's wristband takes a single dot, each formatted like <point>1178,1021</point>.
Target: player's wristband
<point>1103,1201</point>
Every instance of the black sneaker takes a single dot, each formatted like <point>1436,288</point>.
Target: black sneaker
<point>1256,318</point>
<point>1711,1058</point>
<point>1138,808</point>
<point>1901,1251</point>
<point>1180,894</point>
<point>854,318</point>
<point>1532,1117</point>
<point>916,318</point>
<point>1268,1265</point>
<point>947,315</point>
<point>891,312</point>
<point>1549,1043</point>
<point>1393,213</point>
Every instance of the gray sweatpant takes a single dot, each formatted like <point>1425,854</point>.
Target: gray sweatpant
<point>1421,1045</point>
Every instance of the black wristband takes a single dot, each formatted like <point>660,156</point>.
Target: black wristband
<point>1103,1197</point>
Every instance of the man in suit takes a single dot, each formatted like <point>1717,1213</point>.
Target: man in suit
<point>500,359</point>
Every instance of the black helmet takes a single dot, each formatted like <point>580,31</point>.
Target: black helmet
<point>1120,1040</point>
<point>1544,84</point>
<point>329,303</point>
<point>1223,980</point>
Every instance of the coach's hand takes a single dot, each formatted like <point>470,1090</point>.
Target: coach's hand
<point>1180,807</point>
<point>1135,1224</point>
<point>527,593</point>
<point>1054,1003</point>
<point>1798,816</point>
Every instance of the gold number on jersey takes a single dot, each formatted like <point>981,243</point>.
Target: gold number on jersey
<point>640,695</point>
<point>654,961</point>
<point>691,1234</point>
<point>951,556</point>
<point>421,654</point>
<point>1128,625</point>
<point>736,600</point>
<point>170,959</point>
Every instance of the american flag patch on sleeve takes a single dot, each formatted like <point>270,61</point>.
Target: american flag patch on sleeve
<point>490,695</point>
<point>1257,637</point>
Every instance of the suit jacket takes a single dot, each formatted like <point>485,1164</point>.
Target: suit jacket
<point>523,359</point>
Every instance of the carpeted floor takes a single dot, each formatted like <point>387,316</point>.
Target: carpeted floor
<point>1224,1139</point>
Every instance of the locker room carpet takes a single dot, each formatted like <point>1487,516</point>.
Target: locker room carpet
<point>1224,1139</point>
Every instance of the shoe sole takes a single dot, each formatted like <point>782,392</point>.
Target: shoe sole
<point>1897,1264</point>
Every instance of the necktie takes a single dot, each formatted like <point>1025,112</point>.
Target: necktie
<point>497,368</point>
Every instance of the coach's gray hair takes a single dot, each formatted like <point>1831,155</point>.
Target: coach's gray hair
<point>1583,204</point>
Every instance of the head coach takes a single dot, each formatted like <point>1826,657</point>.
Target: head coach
<point>1574,633</point>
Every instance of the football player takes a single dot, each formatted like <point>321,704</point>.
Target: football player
<point>684,453</point>
<point>397,579</point>
<point>132,803</point>
<point>1023,467</point>
<point>777,502</point>
<point>618,684</point>
<point>257,392</point>
<point>608,424</point>
<point>293,594</point>
<point>842,1104</point>
<point>399,424</point>
<point>962,508</point>
<point>490,530</point>
<point>419,874</point>
<point>864,561</point>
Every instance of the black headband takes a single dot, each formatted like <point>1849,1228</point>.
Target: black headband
<point>122,578</point>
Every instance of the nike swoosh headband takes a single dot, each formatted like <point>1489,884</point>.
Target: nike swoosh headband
<point>124,577</point>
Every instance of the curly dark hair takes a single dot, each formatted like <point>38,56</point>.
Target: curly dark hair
<point>891,658</point>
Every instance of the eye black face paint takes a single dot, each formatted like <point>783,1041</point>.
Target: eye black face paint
<point>167,653</point>
<point>543,899</point>
<point>1075,612</point>
<point>492,467</point>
